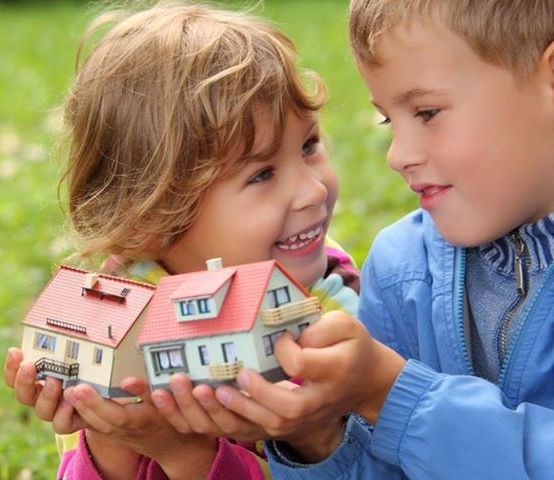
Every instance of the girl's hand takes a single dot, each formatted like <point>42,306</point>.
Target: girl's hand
<point>197,410</point>
<point>44,396</point>
<point>139,427</point>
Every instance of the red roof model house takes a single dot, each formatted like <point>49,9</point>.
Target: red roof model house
<point>210,324</point>
<point>83,328</point>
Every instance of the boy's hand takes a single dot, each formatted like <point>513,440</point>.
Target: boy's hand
<point>139,427</point>
<point>45,397</point>
<point>344,370</point>
<point>197,410</point>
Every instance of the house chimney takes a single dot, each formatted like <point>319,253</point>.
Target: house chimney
<point>90,280</point>
<point>110,333</point>
<point>214,263</point>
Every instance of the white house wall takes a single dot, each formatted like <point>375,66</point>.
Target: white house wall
<point>277,280</point>
<point>244,346</point>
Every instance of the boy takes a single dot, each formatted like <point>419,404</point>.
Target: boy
<point>464,287</point>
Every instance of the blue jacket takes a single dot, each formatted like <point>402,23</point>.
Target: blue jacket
<point>439,421</point>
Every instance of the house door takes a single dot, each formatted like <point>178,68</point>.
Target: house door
<point>229,352</point>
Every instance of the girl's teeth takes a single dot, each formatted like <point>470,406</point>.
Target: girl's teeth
<point>303,240</point>
<point>305,236</point>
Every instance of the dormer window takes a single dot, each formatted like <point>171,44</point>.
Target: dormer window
<point>203,305</point>
<point>278,297</point>
<point>196,308</point>
<point>187,308</point>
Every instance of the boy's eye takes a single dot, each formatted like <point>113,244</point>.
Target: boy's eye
<point>427,115</point>
<point>262,175</point>
<point>310,145</point>
<point>385,121</point>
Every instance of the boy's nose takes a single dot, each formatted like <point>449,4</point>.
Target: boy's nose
<point>404,155</point>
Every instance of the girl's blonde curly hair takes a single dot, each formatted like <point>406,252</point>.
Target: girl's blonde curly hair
<point>165,105</point>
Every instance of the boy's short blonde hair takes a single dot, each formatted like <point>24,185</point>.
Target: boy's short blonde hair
<point>165,105</point>
<point>511,33</point>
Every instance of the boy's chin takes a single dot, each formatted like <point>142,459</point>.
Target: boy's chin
<point>464,237</point>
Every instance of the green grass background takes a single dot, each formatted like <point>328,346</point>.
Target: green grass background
<point>37,50</point>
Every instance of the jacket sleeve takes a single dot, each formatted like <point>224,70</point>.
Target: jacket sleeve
<point>435,425</point>
<point>352,459</point>
<point>232,461</point>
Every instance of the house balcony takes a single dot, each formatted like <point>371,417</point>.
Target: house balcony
<point>290,312</point>
<point>46,367</point>
<point>224,371</point>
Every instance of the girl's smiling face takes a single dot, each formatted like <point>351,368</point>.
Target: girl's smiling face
<point>471,139</point>
<point>277,207</point>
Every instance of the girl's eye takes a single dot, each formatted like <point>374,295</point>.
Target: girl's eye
<point>385,121</point>
<point>262,176</point>
<point>310,145</point>
<point>427,115</point>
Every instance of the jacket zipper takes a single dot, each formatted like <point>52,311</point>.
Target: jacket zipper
<point>520,269</point>
<point>459,292</point>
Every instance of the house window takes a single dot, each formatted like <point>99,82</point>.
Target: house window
<point>72,350</point>
<point>45,342</point>
<point>229,352</point>
<point>278,297</point>
<point>203,305</point>
<point>98,352</point>
<point>270,340</point>
<point>169,360</point>
<point>303,326</point>
<point>187,308</point>
<point>204,356</point>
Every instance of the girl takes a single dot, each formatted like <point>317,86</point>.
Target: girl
<point>192,136</point>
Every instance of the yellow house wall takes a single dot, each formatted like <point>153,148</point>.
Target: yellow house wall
<point>88,371</point>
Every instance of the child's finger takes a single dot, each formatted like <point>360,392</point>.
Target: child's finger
<point>25,386</point>
<point>278,415</point>
<point>101,414</point>
<point>193,413</point>
<point>288,403</point>
<point>331,328</point>
<point>14,357</point>
<point>167,407</point>
<point>227,421</point>
<point>47,402</point>
<point>66,419</point>
<point>138,387</point>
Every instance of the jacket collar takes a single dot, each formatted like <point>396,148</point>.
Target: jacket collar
<point>539,241</point>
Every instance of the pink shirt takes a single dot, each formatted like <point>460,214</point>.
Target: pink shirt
<point>232,461</point>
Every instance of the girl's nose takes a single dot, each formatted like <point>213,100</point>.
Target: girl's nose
<point>311,189</point>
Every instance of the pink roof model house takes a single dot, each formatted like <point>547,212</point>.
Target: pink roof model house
<point>83,328</point>
<point>210,324</point>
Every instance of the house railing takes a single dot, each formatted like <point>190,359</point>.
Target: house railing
<point>224,371</point>
<point>290,312</point>
<point>47,366</point>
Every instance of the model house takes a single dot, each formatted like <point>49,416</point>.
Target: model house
<point>210,324</point>
<point>83,328</point>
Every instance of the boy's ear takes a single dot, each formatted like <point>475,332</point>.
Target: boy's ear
<point>548,59</point>
<point>546,66</point>
<point>549,54</point>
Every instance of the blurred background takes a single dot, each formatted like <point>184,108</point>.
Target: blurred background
<point>37,53</point>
